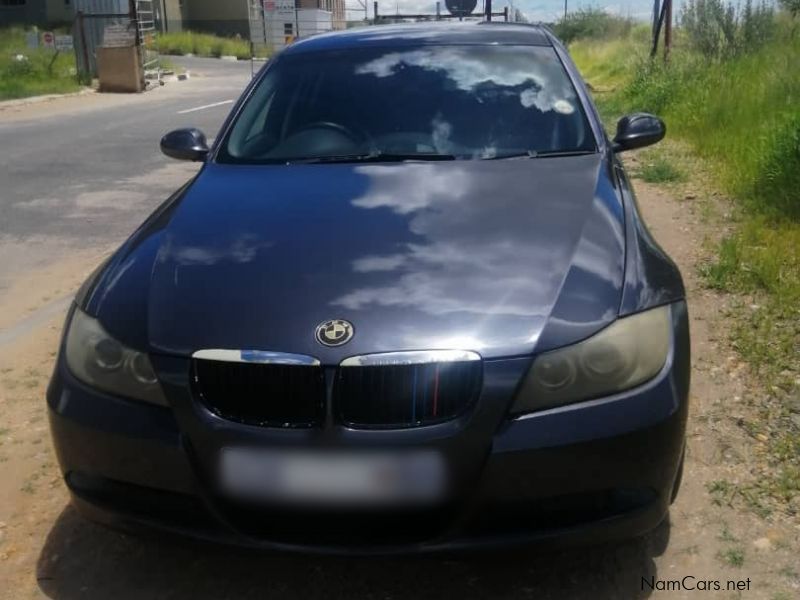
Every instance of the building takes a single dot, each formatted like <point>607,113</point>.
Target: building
<point>35,12</point>
<point>231,17</point>
<point>220,17</point>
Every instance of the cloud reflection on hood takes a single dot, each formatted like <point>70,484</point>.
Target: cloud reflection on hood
<point>460,265</point>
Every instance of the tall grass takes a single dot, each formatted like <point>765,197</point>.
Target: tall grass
<point>26,72</point>
<point>743,114</point>
<point>591,23</point>
<point>202,44</point>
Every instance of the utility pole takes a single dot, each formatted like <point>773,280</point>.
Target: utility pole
<point>565,9</point>
<point>656,13</point>
<point>668,30</point>
<point>488,10</point>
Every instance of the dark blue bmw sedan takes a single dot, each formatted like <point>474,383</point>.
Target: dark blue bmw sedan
<point>408,303</point>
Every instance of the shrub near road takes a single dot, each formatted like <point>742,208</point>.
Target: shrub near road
<point>35,72</point>
<point>202,44</point>
<point>731,89</point>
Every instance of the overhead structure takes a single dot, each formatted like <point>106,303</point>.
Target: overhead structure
<point>460,8</point>
<point>456,9</point>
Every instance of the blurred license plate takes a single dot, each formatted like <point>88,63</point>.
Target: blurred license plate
<point>333,478</point>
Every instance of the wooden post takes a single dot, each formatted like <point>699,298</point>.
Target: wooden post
<point>656,13</point>
<point>668,30</point>
<point>657,32</point>
<point>87,73</point>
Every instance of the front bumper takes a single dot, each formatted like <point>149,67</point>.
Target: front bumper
<point>589,472</point>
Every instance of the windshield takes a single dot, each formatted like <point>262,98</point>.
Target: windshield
<point>424,103</point>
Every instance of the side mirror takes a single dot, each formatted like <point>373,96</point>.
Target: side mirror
<point>185,144</point>
<point>638,130</point>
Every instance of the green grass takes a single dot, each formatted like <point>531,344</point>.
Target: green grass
<point>202,44</point>
<point>733,557</point>
<point>742,116</point>
<point>167,65</point>
<point>659,169</point>
<point>34,74</point>
<point>726,535</point>
<point>722,492</point>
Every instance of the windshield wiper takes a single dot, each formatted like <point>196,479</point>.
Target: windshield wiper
<point>541,154</point>
<point>376,156</point>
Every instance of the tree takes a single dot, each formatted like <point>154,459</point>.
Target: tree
<point>791,6</point>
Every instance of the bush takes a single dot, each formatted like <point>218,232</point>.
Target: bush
<point>791,6</point>
<point>591,23</point>
<point>720,30</point>
<point>742,113</point>
<point>202,44</point>
<point>38,71</point>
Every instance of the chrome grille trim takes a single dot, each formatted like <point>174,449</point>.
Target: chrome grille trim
<point>262,357</point>
<point>413,357</point>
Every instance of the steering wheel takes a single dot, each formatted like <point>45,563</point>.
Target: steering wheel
<point>354,136</point>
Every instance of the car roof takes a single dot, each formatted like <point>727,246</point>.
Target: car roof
<point>424,34</point>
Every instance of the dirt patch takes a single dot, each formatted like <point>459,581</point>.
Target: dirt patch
<point>39,287</point>
<point>31,491</point>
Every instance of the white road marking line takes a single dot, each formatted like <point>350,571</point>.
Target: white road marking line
<point>188,110</point>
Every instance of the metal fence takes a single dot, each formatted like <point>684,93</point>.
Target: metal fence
<point>92,17</point>
<point>147,38</point>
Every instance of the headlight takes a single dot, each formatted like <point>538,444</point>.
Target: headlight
<point>102,362</point>
<point>626,353</point>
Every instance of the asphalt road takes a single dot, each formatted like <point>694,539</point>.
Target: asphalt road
<point>80,173</point>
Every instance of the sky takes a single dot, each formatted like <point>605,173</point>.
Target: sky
<point>535,10</point>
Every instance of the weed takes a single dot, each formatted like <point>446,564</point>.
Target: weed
<point>202,44</point>
<point>732,556</point>
<point>592,23</point>
<point>726,535</point>
<point>28,72</point>
<point>789,572</point>
<point>660,170</point>
<point>721,491</point>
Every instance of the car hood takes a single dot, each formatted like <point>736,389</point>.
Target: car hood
<point>499,257</point>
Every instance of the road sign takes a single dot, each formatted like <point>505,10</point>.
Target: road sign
<point>118,36</point>
<point>32,39</point>
<point>63,42</point>
<point>48,39</point>
<point>285,9</point>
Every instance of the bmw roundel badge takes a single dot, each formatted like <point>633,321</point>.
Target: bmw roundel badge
<point>334,332</point>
